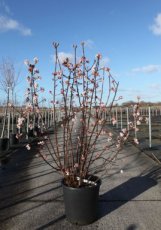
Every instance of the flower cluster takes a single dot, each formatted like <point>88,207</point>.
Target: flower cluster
<point>33,89</point>
<point>30,117</point>
<point>20,122</point>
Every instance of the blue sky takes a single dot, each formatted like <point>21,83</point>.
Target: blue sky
<point>126,32</point>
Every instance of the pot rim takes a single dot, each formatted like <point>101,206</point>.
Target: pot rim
<point>90,182</point>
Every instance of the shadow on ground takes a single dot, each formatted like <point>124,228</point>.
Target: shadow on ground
<point>18,184</point>
<point>118,196</point>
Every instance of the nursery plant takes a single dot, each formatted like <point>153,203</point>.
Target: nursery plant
<point>8,82</point>
<point>85,93</point>
<point>4,138</point>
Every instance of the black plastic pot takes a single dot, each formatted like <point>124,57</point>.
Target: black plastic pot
<point>31,133</point>
<point>81,204</point>
<point>4,144</point>
<point>13,139</point>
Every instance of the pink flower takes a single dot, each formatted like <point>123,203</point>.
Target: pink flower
<point>26,62</point>
<point>110,134</point>
<point>67,172</point>
<point>124,130</point>
<point>118,146</point>
<point>95,73</point>
<point>73,120</point>
<point>121,134</point>
<point>82,157</point>
<point>131,125</point>
<point>18,135</point>
<point>41,143</point>
<point>35,60</point>
<point>99,56</point>
<point>76,165</point>
<point>109,139</point>
<point>107,69</point>
<point>36,70</point>
<point>59,74</point>
<point>102,104</point>
<point>10,104</point>
<point>140,118</point>
<point>114,121</point>
<point>28,147</point>
<point>136,141</point>
<point>36,85</point>
<point>31,126</point>
<point>83,59</point>
<point>100,121</point>
<point>138,123</point>
<point>20,121</point>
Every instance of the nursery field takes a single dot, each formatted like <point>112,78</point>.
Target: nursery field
<point>149,134</point>
<point>8,130</point>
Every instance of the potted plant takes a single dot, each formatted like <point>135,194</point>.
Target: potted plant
<point>85,94</point>
<point>13,132</point>
<point>8,82</point>
<point>4,138</point>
